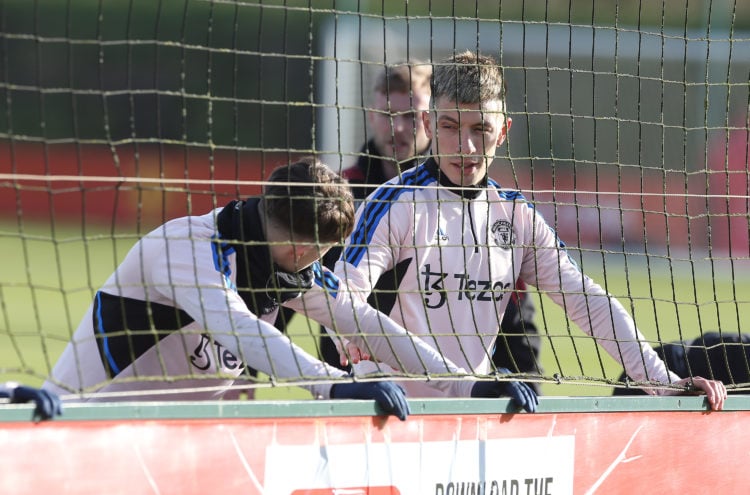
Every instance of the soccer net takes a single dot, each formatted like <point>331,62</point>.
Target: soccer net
<point>630,136</point>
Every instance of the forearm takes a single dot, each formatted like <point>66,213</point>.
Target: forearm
<point>617,333</point>
<point>277,356</point>
<point>382,338</point>
<point>602,316</point>
<point>256,342</point>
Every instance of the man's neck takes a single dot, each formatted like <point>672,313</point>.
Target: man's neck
<point>466,192</point>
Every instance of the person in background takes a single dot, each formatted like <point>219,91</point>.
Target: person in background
<point>397,138</point>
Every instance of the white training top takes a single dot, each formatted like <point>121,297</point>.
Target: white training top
<point>458,259</point>
<point>176,266</point>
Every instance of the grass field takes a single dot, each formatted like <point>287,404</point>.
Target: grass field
<point>50,275</point>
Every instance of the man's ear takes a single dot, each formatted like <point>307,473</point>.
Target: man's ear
<point>302,249</point>
<point>504,131</point>
<point>426,122</point>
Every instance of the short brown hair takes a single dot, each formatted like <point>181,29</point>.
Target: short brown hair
<point>310,200</point>
<point>403,78</point>
<point>468,78</point>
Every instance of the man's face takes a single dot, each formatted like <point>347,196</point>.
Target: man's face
<point>396,124</point>
<point>464,138</point>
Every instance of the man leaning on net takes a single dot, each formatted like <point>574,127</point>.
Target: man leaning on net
<point>460,242</point>
<point>193,302</point>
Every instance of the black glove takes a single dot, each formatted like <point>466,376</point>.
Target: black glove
<point>389,396</point>
<point>520,393</point>
<point>48,404</point>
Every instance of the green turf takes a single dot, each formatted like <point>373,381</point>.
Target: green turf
<point>49,277</point>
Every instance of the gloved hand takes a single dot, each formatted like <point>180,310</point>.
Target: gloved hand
<point>521,394</point>
<point>48,404</point>
<point>389,396</point>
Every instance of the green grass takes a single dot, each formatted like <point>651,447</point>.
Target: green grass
<point>670,299</point>
<point>49,277</point>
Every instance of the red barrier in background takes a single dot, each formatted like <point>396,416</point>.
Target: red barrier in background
<point>627,205</point>
<point>730,184</point>
<point>196,181</point>
<point>523,454</point>
<point>634,206</point>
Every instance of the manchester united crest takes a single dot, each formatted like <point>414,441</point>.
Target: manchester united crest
<point>502,233</point>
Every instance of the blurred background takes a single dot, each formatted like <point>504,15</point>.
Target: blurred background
<point>629,118</point>
<point>612,97</point>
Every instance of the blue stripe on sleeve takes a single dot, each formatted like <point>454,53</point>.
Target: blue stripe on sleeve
<point>221,260</point>
<point>105,341</point>
<point>375,209</point>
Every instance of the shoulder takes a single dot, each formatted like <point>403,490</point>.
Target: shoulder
<point>498,193</point>
<point>188,228</point>
<point>413,179</point>
<point>412,184</point>
<point>505,193</point>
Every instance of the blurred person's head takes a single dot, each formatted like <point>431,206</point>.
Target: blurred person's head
<point>467,120</point>
<point>400,95</point>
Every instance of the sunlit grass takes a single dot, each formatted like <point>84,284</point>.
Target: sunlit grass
<point>49,278</point>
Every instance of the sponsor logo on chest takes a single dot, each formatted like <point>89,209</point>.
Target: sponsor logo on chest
<point>438,285</point>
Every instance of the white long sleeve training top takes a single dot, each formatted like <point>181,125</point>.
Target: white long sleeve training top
<point>457,254</point>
